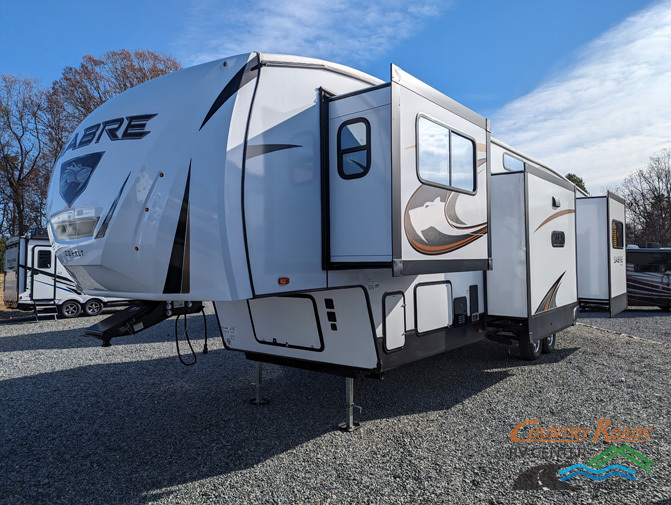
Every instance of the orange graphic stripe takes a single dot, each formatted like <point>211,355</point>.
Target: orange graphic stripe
<point>555,216</point>
<point>440,249</point>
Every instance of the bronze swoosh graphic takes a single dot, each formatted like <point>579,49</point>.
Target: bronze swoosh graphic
<point>555,216</point>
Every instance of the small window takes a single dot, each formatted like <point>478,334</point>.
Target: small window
<point>43,259</point>
<point>354,148</point>
<point>617,234</point>
<point>444,157</point>
<point>512,164</point>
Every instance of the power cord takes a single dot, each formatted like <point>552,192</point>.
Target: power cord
<point>188,340</point>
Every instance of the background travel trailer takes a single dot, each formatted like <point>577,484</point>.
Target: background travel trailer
<point>649,276</point>
<point>602,272</point>
<point>34,278</point>
<point>532,288</point>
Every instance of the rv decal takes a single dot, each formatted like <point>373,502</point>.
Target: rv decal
<point>135,129</point>
<point>177,279</point>
<point>555,216</point>
<point>244,75</point>
<point>432,225</point>
<point>75,175</point>
<point>261,149</point>
<point>550,299</point>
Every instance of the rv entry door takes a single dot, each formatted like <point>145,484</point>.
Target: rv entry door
<point>42,274</point>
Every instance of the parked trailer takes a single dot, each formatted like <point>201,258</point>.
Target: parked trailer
<point>34,278</point>
<point>532,288</point>
<point>338,222</point>
<point>649,277</point>
<point>602,273</point>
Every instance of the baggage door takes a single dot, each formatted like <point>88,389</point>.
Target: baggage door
<point>440,179</point>
<point>43,274</point>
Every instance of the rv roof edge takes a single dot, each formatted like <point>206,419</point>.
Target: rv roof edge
<point>408,81</point>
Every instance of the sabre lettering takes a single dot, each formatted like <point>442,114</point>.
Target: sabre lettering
<point>135,128</point>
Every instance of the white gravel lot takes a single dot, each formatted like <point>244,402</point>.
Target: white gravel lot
<point>82,424</point>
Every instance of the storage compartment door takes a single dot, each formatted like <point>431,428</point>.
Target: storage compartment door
<point>359,179</point>
<point>439,177</point>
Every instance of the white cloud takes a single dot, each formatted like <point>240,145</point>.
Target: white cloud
<point>605,116</point>
<point>338,30</point>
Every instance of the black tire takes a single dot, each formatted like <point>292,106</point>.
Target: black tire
<point>70,309</point>
<point>665,308</point>
<point>549,344</point>
<point>530,351</point>
<point>93,307</point>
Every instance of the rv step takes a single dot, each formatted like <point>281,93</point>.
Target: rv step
<point>139,316</point>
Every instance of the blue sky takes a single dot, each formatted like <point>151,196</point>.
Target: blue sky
<point>583,85</point>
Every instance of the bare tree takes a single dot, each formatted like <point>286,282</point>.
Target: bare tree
<point>22,162</point>
<point>647,193</point>
<point>81,90</point>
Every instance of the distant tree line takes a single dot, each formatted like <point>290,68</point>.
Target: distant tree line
<point>36,122</point>
<point>647,193</point>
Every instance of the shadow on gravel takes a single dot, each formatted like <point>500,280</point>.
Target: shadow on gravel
<point>121,433</point>
<point>74,339</point>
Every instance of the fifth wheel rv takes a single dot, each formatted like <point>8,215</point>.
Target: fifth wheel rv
<point>338,222</point>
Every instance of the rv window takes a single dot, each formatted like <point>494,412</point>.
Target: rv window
<point>43,259</point>
<point>512,164</point>
<point>617,231</point>
<point>444,157</point>
<point>354,148</point>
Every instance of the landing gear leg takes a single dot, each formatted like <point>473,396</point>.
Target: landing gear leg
<point>259,400</point>
<point>349,424</point>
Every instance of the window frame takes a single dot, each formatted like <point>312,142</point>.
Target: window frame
<point>340,151</point>
<point>451,131</point>
<point>616,223</point>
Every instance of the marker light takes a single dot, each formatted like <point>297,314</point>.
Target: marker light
<point>283,281</point>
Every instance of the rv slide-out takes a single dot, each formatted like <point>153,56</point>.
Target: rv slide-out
<point>602,271</point>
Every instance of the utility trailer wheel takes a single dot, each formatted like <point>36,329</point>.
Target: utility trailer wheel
<point>93,307</point>
<point>530,350</point>
<point>549,343</point>
<point>70,309</point>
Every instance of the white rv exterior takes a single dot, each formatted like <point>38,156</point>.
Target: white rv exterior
<point>35,277</point>
<point>532,288</point>
<point>602,268</point>
<point>338,222</point>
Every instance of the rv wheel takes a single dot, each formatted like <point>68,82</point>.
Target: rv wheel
<point>70,308</point>
<point>549,344</point>
<point>530,350</point>
<point>93,307</point>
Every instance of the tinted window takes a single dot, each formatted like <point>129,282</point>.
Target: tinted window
<point>43,259</point>
<point>511,163</point>
<point>617,234</point>
<point>444,157</point>
<point>354,148</point>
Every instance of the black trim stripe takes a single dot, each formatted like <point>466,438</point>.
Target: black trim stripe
<point>261,149</point>
<point>110,213</point>
<point>174,279</point>
<point>549,301</point>
<point>244,75</point>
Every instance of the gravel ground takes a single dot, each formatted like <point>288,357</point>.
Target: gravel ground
<point>82,424</point>
<point>644,322</point>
